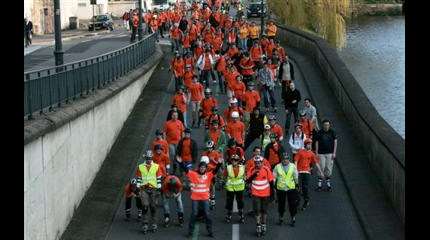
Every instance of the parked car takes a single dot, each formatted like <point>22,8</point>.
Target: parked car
<point>254,9</point>
<point>101,22</point>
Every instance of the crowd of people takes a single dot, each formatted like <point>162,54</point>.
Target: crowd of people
<point>217,55</point>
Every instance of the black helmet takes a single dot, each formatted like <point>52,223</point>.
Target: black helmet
<point>158,132</point>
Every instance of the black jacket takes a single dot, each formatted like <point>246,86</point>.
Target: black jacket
<point>194,149</point>
<point>289,96</point>
<point>183,25</point>
<point>281,150</point>
<point>180,116</point>
<point>256,124</point>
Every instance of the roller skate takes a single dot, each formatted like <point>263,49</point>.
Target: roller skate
<point>145,228</point>
<point>263,229</point>
<point>241,217</point>
<point>154,227</point>
<point>181,219</point>
<point>127,215</point>
<point>259,230</point>
<point>166,221</point>
<point>212,204</point>
<point>228,218</point>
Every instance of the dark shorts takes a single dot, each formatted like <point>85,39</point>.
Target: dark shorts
<point>260,204</point>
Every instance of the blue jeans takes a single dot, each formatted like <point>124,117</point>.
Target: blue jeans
<point>195,205</point>
<point>269,97</point>
<point>178,200</point>
<point>243,44</point>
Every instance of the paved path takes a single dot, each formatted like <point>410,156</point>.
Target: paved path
<point>329,213</point>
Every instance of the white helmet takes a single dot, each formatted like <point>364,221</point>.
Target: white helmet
<point>235,114</point>
<point>233,100</point>
<point>204,159</point>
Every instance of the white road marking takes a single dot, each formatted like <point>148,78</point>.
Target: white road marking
<point>235,232</point>
<point>234,206</point>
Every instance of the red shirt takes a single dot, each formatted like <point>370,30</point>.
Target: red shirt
<point>161,159</point>
<point>196,90</point>
<point>236,130</point>
<point>251,98</point>
<point>173,130</point>
<point>239,89</point>
<point>277,129</point>
<point>273,155</point>
<point>247,63</point>
<point>166,188</point>
<point>186,150</point>
<point>180,101</point>
<point>260,186</point>
<point>304,159</point>
<point>207,104</point>
<point>163,143</point>
<point>200,185</point>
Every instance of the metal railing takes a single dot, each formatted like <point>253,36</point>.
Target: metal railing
<point>47,88</point>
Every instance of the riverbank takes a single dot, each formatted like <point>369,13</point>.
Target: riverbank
<point>365,9</point>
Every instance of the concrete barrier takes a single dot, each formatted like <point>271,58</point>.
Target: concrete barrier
<point>64,150</point>
<point>384,147</point>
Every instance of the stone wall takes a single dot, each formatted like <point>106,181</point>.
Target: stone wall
<point>64,150</point>
<point>384,147</point>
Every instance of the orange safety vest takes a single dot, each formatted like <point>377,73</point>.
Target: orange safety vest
<point>260,186</point>
<point>199,185</point>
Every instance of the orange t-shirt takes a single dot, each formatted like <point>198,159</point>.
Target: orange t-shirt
<point>251,98</point>
<point>236,130</point>
<point>277,129</point>
<point>173,130</point>
<point>256,53</point>
<point>304,159</point>
<point>247,63</point>
<point>163,143</point>
<point>178,67</point>
<point>214,134</point>
<point>239,89</point>
<point>273,155</point>
<point>196,90</point>
<point>188,78</point>
<point>161,159</point>
<point>214,157</point>
<point>180,101</point>
<point>207,104</point>
<point>186,150</point>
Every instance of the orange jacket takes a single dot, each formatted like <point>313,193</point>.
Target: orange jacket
<point>260,186</point>
<point>200,185</point>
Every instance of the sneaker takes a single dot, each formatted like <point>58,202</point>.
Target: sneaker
<point>293,222</point>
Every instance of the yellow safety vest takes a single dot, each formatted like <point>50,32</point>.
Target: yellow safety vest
<point>235,183</point>
<point>149,177</point>
<point>284,180</point>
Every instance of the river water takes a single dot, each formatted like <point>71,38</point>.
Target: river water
<point>375,55</point>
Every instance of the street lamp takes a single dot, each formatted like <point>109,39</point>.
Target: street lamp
<point>139,28</point>
<point>58,53</point>
<point>262,18</point>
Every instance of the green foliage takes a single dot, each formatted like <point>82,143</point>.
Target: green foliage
<point>325,18</point>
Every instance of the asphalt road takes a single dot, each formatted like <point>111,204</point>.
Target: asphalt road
<point>78,49</point>
<point>330,215</point>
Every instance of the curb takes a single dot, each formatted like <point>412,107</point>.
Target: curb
<point>52,42</point>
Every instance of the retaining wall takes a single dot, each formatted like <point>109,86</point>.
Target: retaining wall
<point>384,147</point>
<point>64,150</point>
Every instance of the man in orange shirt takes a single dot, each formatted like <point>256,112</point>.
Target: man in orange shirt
<point>180,100</point>
<point>239,89</point>
<point>221,68</point>
<point>173,130</point>
<point>250,100</point>
<point>159,140</point>
<point>177,65</point>
<point>215,159</point>
<point>176,36</point>
<point>256,52</point>
<point>216,134</point>
<point>305,159</point>
<point>246,64</point>
<point>214,117</point>
<point>236,129</point>
<point>273,151</point>
<point>230,76</point>
<point>200,181</point>
<point>207,105</point>
<point>196,92</point>
<point>172,189</point>
<point>205,64</point>
<point>186,152</point>
<point>188,76</point>
<point>276,128</point>
<point>132,191</point>
<point>271,30</point>
<point>233,107</point>
<point>161,158</point>
<point>262,190</point>
<point>307,126</point>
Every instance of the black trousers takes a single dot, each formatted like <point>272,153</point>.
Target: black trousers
<point>230,199</point>
<point>133,34</point>
<point>291,111</point>
<point>292,196</point>
<point>204,77</point>
<point>304,185</point>
<point>249,139</point>
<point>128,203</point>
